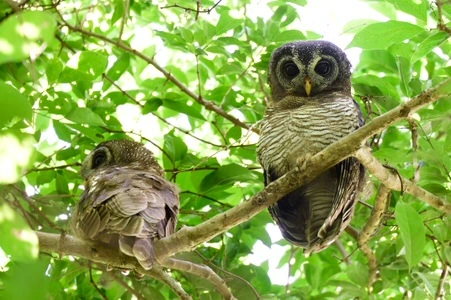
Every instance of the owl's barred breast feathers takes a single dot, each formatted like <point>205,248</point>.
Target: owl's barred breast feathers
<point>311,108</point>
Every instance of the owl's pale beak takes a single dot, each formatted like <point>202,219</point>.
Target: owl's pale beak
<point>307,85</point>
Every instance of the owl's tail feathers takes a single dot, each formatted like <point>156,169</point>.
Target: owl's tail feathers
<point>140,248</point>
<point>289,214</point>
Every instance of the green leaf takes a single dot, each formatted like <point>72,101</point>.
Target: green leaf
<point>404,74</point>
<point>27,281</point>
<point>227,174</point>
<point>17,239</point>
<point>359,274</point>
<point>16,155</point>
<point>434,39</point>
<point>174,147</point>
<point>412,232</point>
<point>382,35</point>
<point>53,70</point>
<point>115,72</point>
<point>181,107</point>
<point>92,63</point>
<point>151,105</point>
<point>23,34</point>
<point>411,7</point>
<point>13,105</point>
<point>85,116</point>
<point>227,23</point>
<point>289,36</point>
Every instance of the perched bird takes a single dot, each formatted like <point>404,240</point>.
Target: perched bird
<point>127,202</point>
<point>311,107</point>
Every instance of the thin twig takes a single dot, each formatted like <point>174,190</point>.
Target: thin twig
<point>212,265</point>
<point>440,293</point>
<point>368,231</point>
<point>124,18</point>
<point>197,10</point>
<point>441,25</point>
<point>91,280</point>
<point>169,281</point>
<point>414,130</point>
<point>209,105</point>
<point>126,94</point>
<point>121,282</point>
<point>206,197</point>
<point>201,271</point>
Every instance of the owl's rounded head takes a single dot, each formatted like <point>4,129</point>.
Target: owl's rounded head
<point>119,153</point>
<point>308,68</point>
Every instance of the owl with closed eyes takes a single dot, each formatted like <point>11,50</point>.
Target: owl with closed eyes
<point>127,202</point>
<point>311,107</point>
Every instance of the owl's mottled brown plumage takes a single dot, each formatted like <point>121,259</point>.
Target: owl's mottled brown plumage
<point>127,202</point>
<point>311,107</point>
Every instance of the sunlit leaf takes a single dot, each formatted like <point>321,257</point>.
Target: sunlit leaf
<point>412,232</point>
<point>17,239</point>
<point>85,116</point>
<point>226,23</point>
<point>382,35</point>
<point>14,104</point>
<point>25,35</point>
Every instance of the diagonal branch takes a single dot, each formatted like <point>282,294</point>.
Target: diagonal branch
<point>399,183</point>
<point>188,238</point>
<point>209,105</point>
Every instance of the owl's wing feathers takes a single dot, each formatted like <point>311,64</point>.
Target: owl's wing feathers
<point>136,204</point>
<point>337,216</point>
<point>291,214</point>
<point>315,214</point>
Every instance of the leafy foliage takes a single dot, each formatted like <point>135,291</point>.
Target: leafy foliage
<point>190,83</point>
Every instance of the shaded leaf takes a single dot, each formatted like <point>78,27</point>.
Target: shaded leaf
<point>227,174</point>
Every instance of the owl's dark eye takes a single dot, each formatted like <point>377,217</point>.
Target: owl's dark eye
<point>290,69</point>
<point>323,67</point>
<point>99,159</point>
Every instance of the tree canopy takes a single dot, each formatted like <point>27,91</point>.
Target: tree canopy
<point>189,80</point>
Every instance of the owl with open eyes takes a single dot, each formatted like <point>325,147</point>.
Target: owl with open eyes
<point>127,202</point>
<point>311,108</point>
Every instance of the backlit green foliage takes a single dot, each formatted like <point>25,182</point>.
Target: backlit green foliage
<point>74,73</point>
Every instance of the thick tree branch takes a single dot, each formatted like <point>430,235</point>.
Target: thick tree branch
<point>69,245</point>
<point>399,183</point>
